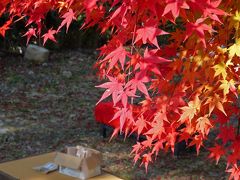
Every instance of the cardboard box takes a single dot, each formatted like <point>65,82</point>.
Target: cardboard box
<point>79,162</point>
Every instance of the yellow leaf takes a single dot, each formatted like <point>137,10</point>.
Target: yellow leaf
<point>226,85</point>
<point>234,49</point>
<point>235,21</point>
<point>237,16</point>
<point>220,69</point>
<point>221,50</point>
<point>190,110</point>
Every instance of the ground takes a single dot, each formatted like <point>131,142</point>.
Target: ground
<point>47,107</point>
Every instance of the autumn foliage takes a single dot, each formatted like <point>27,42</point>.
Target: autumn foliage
<point>190,82</point>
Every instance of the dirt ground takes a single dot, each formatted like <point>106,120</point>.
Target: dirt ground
<point>47,107</point>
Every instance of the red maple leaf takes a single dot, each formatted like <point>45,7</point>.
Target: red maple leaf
<point>157,147</point>
<point>68,18</point>
<point>5,27</point>
<point>203,125</point>
<point>149,34</point>
<point>136,148</point>
<point>235,173</point>
<point>90,4</point>
<point>197,141</point>
<point>116,55</point>
<point>208,8</point>
<point>147,158</point>
<point>123,114</point>
<point>150,56</point>
<point>138,83</point>
<point>114,87</point>
<point>216,152</point>
<point>233,158</point>
<point>31,32</point>
<point>49,35</point>
<point>140,124</point>
<point>227,134</point>
<point>156,130</point>
<point>174,6</point>
<point>198,27</point>
<point>118,16</point>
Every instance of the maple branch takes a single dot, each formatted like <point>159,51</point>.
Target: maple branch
<point>132,46</point>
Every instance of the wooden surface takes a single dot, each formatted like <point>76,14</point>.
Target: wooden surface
<point>22,169</point>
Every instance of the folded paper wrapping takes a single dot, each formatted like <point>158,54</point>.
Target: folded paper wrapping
<point>46,168</point>
<point>79,162</point>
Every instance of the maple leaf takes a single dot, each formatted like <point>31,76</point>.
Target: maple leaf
<point>138,83</point>
<point>198,27</point>
<point>171,140</point>
<point>208,8</point>
<point>140,124</point>
<point>157,146</point>
<point>174,6</point>
<point>226,134</point>
<point>147,158</point>
<point>197,141</point>
<point>216,152</point>
<point>49,35</point>
<point>149,34</point>
<point>148,142</point>
<point>151,57</point>
<point>220,69</point>
<point>136,158</point>
<point>226,86</point>
<point>233,89</point>
<point>5,27</point>
<point>235,173</point>
<point>190,110</point>
<point>190,76</point>
<point>235,20</point>
<point>161,114</point>
<point>234,49</point>
<point>203,124</point>
<point>68,18</point>
<point>157,129</point>
<point>116,55</point>
<point>62,5</point>
<point>215,102</point>
<point>90,4</point>
<point>185,136</point>
<point>123,114</point>
<point>31,32</point>
<point>118,16</point>
<point>136,148</point>
<point>232,159</point>
<point>113,88</point>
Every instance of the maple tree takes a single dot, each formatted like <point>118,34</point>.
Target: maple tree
<point>184,89</point>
